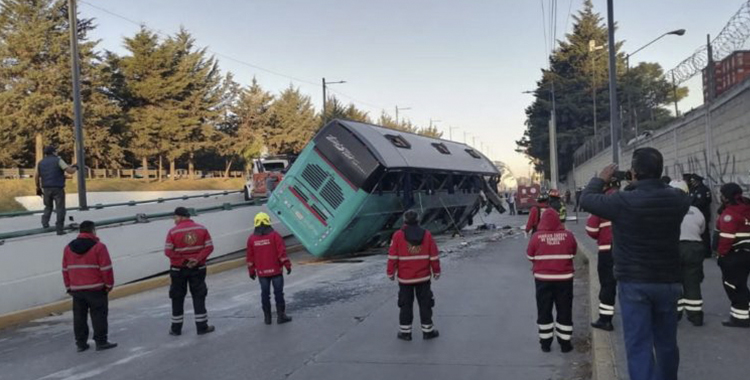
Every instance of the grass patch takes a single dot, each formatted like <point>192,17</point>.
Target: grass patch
<point>11,188</point>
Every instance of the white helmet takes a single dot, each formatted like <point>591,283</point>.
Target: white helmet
<point>678,184</point>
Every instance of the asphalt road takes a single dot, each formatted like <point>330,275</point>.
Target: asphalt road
<point>345,324</point>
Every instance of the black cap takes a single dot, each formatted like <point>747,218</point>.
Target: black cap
<point>50,150</point>
<point>182,211</point>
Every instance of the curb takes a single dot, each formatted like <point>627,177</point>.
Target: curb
<point>27,315</point>
<point>602,350</point>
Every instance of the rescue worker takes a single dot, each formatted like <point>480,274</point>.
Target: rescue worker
<point>188,246</point>
<point>557,203</point>
<point>266,255</point>
<point>601,229</point>
<point>551,250</point>
<point>50,185</point>
<point>88,277</point>
<point>701,198</point>
<point>413,258</point>
<point>734,253</point>
<point>692,252</point>
<point>536,212</point>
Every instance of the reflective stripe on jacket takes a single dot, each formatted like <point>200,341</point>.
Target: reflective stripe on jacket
<point>91,270</point>
<point>266,254</point>
<point>413,264</point>
<point>734,228</point>
<point>552,249</point>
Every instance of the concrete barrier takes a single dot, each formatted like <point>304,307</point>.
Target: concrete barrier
<point>31,272</point>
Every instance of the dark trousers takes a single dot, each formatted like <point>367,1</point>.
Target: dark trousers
<point>278,292</point>
<point>692,254</point>
<point>557,295</point>
<point>608,286</point>
<point>425,300</point>
<point>182,280</point>
<point>735,268</point>
<point>512,208</point>
<point>57,196</point>
<point>96,304</point>
<point>706,237</point>
<point>649,324</point>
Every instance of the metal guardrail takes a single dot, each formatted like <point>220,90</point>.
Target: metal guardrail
<point>120,204</point>
<point>138,218</point>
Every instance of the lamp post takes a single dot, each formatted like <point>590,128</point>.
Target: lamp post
<point>634,121</point>
<point>434,121</point>
<point>614,121</point>
<point>400,109</point>
<point>325,98</point>
<point>81,160</point>
<point>450,132</point>
<point>592,49</point>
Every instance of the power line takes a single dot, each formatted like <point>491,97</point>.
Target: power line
<point>567,19</point>
<point>544,28</point>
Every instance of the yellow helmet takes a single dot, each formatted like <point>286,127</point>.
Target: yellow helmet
<point>262,218</point>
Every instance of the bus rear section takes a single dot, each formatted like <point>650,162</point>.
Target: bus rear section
<point>324,189</point>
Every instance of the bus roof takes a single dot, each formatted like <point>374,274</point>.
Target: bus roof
<point>422,152</point>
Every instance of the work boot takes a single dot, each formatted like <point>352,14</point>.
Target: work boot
<point>173,332</point>
<point>566,346</point>
<point>105,346</point>
<point>281,316</point>
<point>734,322</point>
<point>546,345</point>
<point>207,330</point>
<point>603,324</point>
<point>267,317</point>
<point>404,336</point>
<point>696,320</point>
<point>82,347</point>
<point>430,335</point>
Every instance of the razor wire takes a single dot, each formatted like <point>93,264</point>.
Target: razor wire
<point>733,37</point>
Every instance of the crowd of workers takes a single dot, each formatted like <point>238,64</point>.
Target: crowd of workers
<point>652,237</point>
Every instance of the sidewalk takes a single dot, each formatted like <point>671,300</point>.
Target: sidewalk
<point>708,352</point>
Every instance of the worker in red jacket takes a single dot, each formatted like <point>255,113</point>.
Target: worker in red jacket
<point>536,212</point>
<point>551,250</point>
<point>188,247</point>
<point>266,255</point>
<point>601,230</point>
<point>734,252</point>
<point>88,276</point>
<point>413,258</point>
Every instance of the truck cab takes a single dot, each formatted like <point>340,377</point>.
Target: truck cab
<point>263,168</point>
<point>526,197</point>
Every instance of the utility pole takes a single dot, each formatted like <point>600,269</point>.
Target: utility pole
<point>592,50</point>
<point>325,100</point>
<point>614,117</point>
<point>711,68</point>
<point>450,132</point>
<point>81,161</point>
<point>401,109</point>
<point>465,133</point>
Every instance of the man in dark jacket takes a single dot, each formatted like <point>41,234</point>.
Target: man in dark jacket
<point>50,185</point>
<point>700,196</point>
<point>646,233</point>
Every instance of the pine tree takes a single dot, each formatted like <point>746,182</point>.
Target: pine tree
<point>430,132</point>
<point>254,113</point>
<point>292,123</point>
<point>37,92</point>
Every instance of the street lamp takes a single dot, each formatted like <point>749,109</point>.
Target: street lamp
<point>400,109</point>
<point>434,121</point>
<point>592,49</point>
<point>325,98</point>
<point>450,132</point>
<point>634,122</point>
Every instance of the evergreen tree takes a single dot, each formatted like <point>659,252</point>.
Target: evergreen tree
<point>355,114</point>
<point>37,87</point>
<point>430,132</point>
<point>292,123</point>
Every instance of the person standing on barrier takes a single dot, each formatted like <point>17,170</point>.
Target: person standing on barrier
<point>50,185</point>
<point>266,256</point>
<point>535,214</point>
<point>551,250</point>
<point>734,253</point>
<point>88,277</point>
<point>692,253</point>
<point>646,223</point>
<point>413,258</point>
<point>188,246</point>
<point>601,230</point>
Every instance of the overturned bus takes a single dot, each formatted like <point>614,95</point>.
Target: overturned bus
<point>351,184</point>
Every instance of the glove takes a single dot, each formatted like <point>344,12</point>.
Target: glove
<point>289,270</point>
<point>436,276</point>
<point>252,276</point>
<point>392,277</point>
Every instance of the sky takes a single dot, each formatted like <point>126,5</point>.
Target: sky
<point>462,64</point>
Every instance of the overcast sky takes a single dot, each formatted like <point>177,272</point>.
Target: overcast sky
<point>464,63</point>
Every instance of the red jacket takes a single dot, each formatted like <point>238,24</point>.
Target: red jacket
<point>534,214</point>
<point>734,228</point>
<point>266,254</point>
<point>414,264</point>
<point>552,249</point>
<point>601,230</point>
<point>86,265</point>
<point>188,240</point>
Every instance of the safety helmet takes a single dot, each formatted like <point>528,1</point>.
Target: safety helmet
<point>677,184</point>
<point>262,219</point>
<point>553,193</point>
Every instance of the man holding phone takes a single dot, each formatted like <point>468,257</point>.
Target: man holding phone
<point>50,185</point>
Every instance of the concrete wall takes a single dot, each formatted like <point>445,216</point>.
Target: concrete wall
<point>31,271</point>
<point>719,153</point>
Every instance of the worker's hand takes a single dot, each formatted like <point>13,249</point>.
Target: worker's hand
<point>289,270</point>
<point>192,263</point>
<point>608,172</point>
<point>392,277</point>
<point>436,276</point>
<point>39,192</point>
<point>252,276</point>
